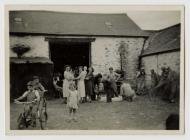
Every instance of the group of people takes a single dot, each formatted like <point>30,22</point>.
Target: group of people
<point>83,81</point>
<point>89,86</point>
<point>82,85</point>
<point>165,85</point>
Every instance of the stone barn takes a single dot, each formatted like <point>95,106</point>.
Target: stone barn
<point>56,39</point>
<point>162,49</point>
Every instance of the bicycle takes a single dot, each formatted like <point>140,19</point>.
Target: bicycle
<point>25,119</point>
<point>43,111</point>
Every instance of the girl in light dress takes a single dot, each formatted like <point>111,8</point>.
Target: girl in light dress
<point>72,101</point>
<point>81,85</point>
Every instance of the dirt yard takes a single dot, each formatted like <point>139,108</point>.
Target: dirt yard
<point>142,114</point>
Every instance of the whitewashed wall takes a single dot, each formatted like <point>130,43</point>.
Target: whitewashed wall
<point>39,47</point>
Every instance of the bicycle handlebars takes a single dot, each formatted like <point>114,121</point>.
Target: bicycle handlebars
<point>25,103</point>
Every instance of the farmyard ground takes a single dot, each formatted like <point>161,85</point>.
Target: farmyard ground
<point>142,114</point>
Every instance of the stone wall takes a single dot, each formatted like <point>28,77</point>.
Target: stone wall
<point>105,52</point>
<point>171,59</point>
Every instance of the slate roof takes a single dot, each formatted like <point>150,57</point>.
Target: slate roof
<point>163,41</point>
<point>24,60</point>
<point>61,23</point>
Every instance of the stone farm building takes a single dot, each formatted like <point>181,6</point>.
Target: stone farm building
<point>56,39</point>
<point>162,49</point>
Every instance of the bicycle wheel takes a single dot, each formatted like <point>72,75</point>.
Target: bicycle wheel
<point>21,122</point>
<point>43,120</point>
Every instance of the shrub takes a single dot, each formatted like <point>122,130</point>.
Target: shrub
<point>20,49</point>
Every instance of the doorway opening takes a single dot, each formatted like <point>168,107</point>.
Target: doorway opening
<point>73,53</point>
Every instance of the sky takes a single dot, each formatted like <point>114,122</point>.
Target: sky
<point>155,20</point>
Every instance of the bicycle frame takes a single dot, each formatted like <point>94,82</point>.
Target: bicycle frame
<point>23,119</point>
<point>42,107</point>
<point>41,112</point>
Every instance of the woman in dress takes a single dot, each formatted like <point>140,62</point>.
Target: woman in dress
<point>81,85</point>
<point>89,83</point>
<point>113,76</point>
<point>67,79</point>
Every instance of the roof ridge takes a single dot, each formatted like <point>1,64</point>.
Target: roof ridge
<point>66,12</point>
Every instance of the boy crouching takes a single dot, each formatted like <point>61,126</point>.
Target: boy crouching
<point>127,92</point>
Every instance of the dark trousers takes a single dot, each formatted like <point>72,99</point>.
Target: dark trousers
<point>109,94</point>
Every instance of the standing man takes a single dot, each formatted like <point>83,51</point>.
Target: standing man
<point>173,78</point>
<point>154,78</point>
<point>113,77</point>
<point>107,88</point>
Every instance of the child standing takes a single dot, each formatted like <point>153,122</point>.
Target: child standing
<point>73,101</point>
<point>38,86</point>
<point>41,90</point>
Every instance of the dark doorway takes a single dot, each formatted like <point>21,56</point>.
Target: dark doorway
<point>69,53</point>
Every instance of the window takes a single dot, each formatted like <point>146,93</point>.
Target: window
<point>18,20</point>
<point>108,24</point>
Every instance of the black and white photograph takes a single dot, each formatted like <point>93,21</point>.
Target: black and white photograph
<point>92,68</point>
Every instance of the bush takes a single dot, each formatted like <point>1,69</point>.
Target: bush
<point>20,49</point>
